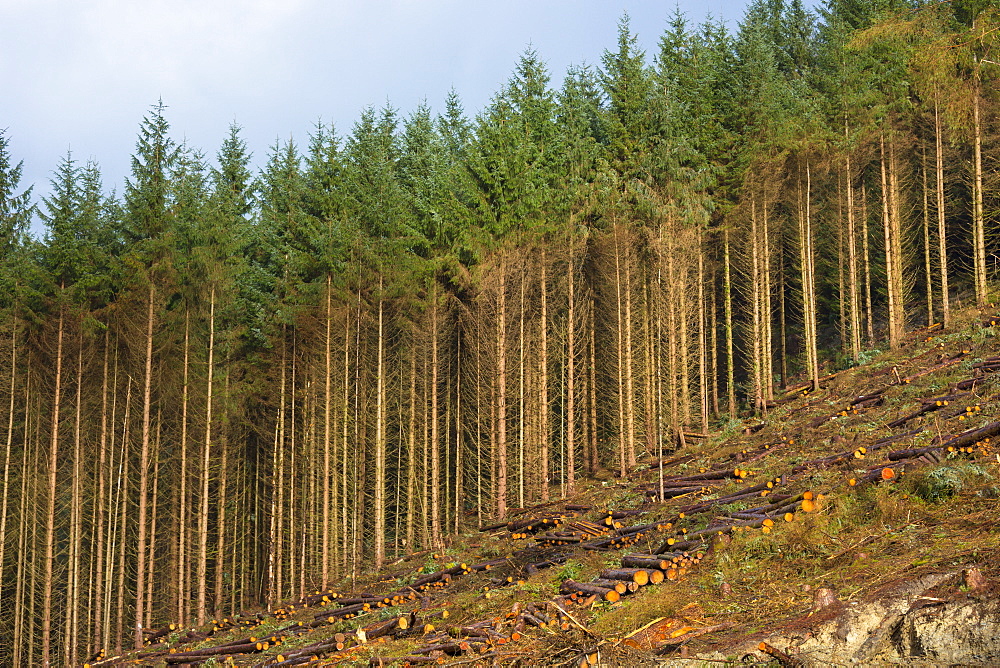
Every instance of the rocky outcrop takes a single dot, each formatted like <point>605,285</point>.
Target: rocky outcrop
<point>908,623</point>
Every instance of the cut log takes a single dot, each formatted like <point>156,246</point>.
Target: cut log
<point>609,595</point>
<point>646,561</point>
<point>198,654</point>
<point>618,585</point>
<point>640,576</point>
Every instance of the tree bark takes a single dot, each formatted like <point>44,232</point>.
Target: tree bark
<point>50,508</point>
<point>206,452</point>
<point>380,439</point>
<point>727,291</point>
<point>941,228</point>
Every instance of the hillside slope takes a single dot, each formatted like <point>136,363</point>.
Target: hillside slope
<point>857,522</point>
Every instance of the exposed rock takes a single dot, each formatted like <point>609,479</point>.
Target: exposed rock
<point>902,625</point>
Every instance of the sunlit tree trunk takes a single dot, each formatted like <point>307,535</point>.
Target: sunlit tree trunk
<point>73,596</point>
<point>727,294</point>
<point>327,404</point>
<point>147,403</point>
<point>436,536</point>
<point>8,447</point>
<point>570,371</point>
<point>978,224</point>
<point>380,527</point>
<point>620,340</point>
<point>501,385</point>
<point>543,403</point>
<point>852,261</point>
<point>926,220</point>
<point>183,535</point>
<point>206,452</point>
<point>48,562</point>
<point>941,229</point>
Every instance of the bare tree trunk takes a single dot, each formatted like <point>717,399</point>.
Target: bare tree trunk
<point>123,515</point>
<point>852,261</point>
<point>543,408</point>
<point>74,603</point>
<point>570,371</point>
<point>521,418</point>
<point>9,444</point>
<point>459,441</point>
<point>220,547</point>
<point>147,385</point>
<point>893,250</point>
<point>341,545</point>
<point>380,440</point>
<point>978,224</point>
<point>50,509</point>
<point>202,573</point>
<point>808,278</point>
<point>183,594</point>
<point>926,219</point>
<point>435,426</point>
<point>594,457</point>
<point>755,300</point>
<point>411,465</point>
<point>147,614</point>
<point>629,367</point>
<point>870,319</point>
<point>327,403</point>
<point>622,419</point>
<point>767,363</point>
<point>727,290</point>
<point>501,484</point>
<point>942,230</point>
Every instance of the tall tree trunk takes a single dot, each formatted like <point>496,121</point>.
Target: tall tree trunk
<point>755,299</point>
<point>852,261</point>
<point>808,277</point>
<point>543,407</point>
<point>411,463</point>
<point>183,535</point>
<point>629,367</point>
<point>620,340</point>
<point>73,598</point>
<point>767,364</point>
<point>9,445</point>
<point>220,546</point>
<point>727,292</point>
<point>123,515</point>
<point>926,219</point>
<point>570,370</point>
<point>521,417</point>
<point>147,403</point>
<point>380,439</point>
<point>459,499</point>
<point>941,229</point>
<point>501,446</point>
<point>870,319</point>
<point>23,567</point>
<point>592,436</point>
<point>893,250</point>
<point>435,423</point>
<point>978,224</point>
<point>50,508</point>
<point>206,452</point>
<point>327,403</point>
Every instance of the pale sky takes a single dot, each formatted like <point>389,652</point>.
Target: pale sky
<point>80,74</point>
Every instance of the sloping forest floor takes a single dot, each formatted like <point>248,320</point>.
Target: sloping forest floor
<point>858,523</point>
